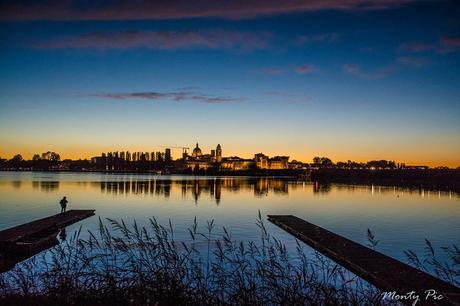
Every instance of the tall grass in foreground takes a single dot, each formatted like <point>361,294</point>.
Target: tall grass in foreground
<point>132,265</point>
<point>448,271</point>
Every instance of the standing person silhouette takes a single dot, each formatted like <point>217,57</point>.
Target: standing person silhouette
<point>63,203</point>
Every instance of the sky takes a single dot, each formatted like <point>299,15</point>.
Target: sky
<point>351,80</point>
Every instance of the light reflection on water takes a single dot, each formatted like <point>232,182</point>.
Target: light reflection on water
<point>400,218</point>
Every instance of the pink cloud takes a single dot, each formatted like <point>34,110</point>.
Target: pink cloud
<point>451,41</point>
<point>305,69</point>
<point>129,39</point>
<point>449,44</point>
<point>351,68</point>
<point>445,44</point>
<point>417,47</point>
<point>179,96</point>
<point>175,9</point>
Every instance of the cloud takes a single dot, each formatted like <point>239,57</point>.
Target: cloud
<point>351,68</point>
<point>411,61</point>
<point>446,44</point>
<point>175,9</point>
<point>357,71</point>
<point>302,69</point>
<point>449,44</point>
<point>381,73</point>
<point>305,69</point>
<point>451,41</point>
<point>179,96</point>
<point>324,37</point>
<point>416,47</point>
<point>166,40</point>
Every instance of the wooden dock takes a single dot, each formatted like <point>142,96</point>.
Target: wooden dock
<point>386,273</point>
<point>60,221</point>
<point>24,241</point>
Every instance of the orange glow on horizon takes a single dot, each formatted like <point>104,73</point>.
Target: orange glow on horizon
<point>449,160</point>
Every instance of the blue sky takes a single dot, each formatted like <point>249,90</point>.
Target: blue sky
<point>379,82</point>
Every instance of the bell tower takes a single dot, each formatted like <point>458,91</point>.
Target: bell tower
<point>219,153</point>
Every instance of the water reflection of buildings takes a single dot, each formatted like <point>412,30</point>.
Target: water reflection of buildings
<point>214,187</point>
<point>47,186</point>
<point>156,187</point>
<point>321,188</point>
<point>196,188</point>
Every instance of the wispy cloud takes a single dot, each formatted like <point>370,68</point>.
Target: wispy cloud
<point>167,40</point>
<point>307,68</point>
<point>416,47</point>
<point>446,44</point>
<point>411,61</point>
<point>451,41</point>
<point>302,69</point>
<point>176,96</point>
<point>449,44</point>
<point>317,38</point>
<point>356,70</point>
<point>175,9</point>
<point>383,72</point>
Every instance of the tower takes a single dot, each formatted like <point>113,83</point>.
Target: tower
<point>219,153</point>
<point>168,154</point>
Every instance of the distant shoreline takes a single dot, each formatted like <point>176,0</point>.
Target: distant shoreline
<point>434,179</point>
<point>258,173</point>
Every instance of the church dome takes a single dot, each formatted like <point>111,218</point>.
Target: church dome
<point>197,151</point>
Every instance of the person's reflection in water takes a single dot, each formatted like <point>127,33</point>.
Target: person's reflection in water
<point>62,234</point>
<point>63,203</point>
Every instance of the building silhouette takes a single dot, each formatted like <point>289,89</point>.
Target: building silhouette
<point>198,160</point>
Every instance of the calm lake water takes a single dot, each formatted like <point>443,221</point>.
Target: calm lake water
<point>400,218</point>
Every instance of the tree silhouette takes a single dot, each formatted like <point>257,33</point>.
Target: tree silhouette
<point>17,158</point>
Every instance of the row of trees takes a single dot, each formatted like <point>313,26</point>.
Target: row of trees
<point>49,156</point>
<point>48,160</point>
<point>52,161</point>
<point>325,162</point>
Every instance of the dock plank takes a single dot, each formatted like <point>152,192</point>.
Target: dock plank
<point>61,220</point>
<point>384,272</point>
<point>26,240</point>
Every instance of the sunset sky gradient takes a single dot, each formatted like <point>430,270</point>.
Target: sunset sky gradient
<point>351,80</point>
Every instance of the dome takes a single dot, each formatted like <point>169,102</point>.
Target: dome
<point>197,151</point>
